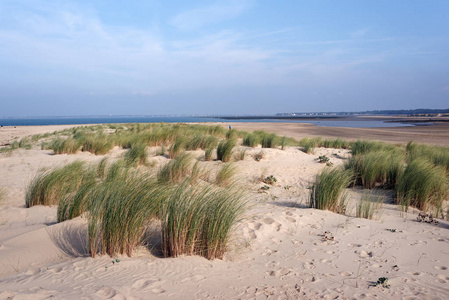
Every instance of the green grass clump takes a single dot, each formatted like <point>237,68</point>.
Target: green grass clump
<point>64,146</point>
<point>224,150</point>
<point>337,144</point>
<point>423,185</point>
<point>201,223</point>
<point>25,143</point>
<point>309,144</point>
<point>49,187</point>
<point>270,140</point>
<point>201,142</point>
<point>120,211</point>
<point>136,155</point>
<point>381,167</point>
<point>225,175</point>
<point>98,144</point>
<point>363,146</point>
<point>75,203</point>
<point>437,155</point>
<point>176,170</point>
<point>232,134</point>
<point>177,147</point>
<point>327,191</point>
<point>251,140</point>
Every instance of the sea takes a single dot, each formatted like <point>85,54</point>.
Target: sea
<point>37,121</point>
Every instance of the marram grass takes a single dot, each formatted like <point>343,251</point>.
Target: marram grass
<point>202,222</point>
<point>327,192</point>
<point>381,167</point>
<point>422,185</point>
<point>49,187</point>
<point>177,169</point>
<point>225,175</point>
<point>136,155</point>
<point>224,150</point>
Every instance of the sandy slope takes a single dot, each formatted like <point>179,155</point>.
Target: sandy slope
<point>277,252</point>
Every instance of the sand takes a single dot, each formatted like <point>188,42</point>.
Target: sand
<point>278,251</point>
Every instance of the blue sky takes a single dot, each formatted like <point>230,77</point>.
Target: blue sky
<point>229,57</point>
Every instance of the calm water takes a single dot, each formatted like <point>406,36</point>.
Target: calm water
<point>105,120</point>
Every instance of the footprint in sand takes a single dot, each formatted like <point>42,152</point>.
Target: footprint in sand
<point>106,293</point>
<point>55,270</point>
<point>281,273</point>
<point>33,272</point>
<point>346,274</point>
<point>158,291</point>
<point>441,278</point>
<point>145,284</point>
<point>364,253</point>
<point>443,268</point>
<point>255,226</point>
<point>195,278</point>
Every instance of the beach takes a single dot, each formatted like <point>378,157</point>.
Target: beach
<point>281,249</point>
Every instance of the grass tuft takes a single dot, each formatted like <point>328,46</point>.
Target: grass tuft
<point>327,191</point>
<point>136,155</point>
<point>201,223</point>
<point>225,175</point>
<point>176,170</point>
<point>49,187</point>
<point>224,150</point>
<point>423,185</point>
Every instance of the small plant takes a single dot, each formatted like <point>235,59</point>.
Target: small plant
<point>427,218</point>
<point>287,187</point>
<point>328,236</point>
<point>258,156</point>
<point>263,189</point>
<point>271,180</point>
<point>383,282</point>
<point>323,159</point>
<point>391,229</point>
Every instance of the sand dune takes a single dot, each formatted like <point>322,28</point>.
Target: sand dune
<point>279,251</point>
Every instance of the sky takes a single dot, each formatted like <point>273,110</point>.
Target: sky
<point>101,57</point>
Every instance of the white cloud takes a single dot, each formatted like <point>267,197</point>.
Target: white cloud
<point>218,12</point>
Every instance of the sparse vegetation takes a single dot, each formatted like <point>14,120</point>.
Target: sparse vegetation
<point>367,206</point>
<point>309,144</point>
<point>225,175</point>
<point>208,154</point>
